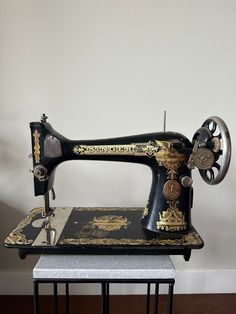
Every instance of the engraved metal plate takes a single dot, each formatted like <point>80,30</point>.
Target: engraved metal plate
<point>52,147</point>
<point>49,237</point>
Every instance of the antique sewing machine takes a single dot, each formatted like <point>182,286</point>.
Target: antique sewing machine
<point>163,226</point>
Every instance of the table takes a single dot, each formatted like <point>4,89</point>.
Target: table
<point>97,230</point>
<point>106,270</point>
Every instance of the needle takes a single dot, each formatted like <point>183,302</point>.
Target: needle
<point>164,128</point>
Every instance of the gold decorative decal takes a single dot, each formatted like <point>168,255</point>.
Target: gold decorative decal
<point>107,241</point>
<point>110,223</point>
<point>36,136</point>
<point>145,212</point>
<point>172,219</point>
<point>92,231</point>
<point>171,174</point>
<point>17,236</point>
<point>192,238</point>
<point>162,150</point>
<point>186,240</point>
<point>104,149</point>
<point>168,156</point>
<point>109,209</point>
<point>171,190</point>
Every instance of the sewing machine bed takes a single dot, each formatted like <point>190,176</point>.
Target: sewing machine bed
<point>96,230</point>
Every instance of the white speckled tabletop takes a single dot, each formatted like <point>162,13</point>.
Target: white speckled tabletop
<point>104,266</point>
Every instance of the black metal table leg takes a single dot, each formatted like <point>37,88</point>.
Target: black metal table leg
<point>156,298</point>
<point>170,301</point>
<point>148,298</point>
<point>55,298</point>
<point>107,298</point>
<point>67,298</point>
<point>105,294</point>
<point>103,309</point>
<point>36,297</point>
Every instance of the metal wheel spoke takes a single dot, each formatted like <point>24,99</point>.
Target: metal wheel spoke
<point>216,165</point>
<point>210,174</point>
<point>214,126</point>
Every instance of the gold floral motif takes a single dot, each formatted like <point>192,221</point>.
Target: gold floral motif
<point>110,223</point>
<point>169,157</point>
<point>189,239</point>
<point>17,236</point>
<point>91,231</point>
<point>145,212</point>
<point>36,136</point>
<point>107,241</point>
<point>186,240</point>
<point>192,239</point>
<point>172,219</point>
<point>171,174</point>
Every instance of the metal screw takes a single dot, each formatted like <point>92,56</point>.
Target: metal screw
<point>43,118</point>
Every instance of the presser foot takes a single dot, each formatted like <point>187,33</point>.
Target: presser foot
<point>47,214</point>
<point>50,233</point>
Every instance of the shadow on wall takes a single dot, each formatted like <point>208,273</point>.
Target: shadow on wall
<point>11,187</point>
<point>10,261</point>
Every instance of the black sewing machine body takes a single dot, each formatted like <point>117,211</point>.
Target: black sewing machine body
<point>170,155</point>
<point>163,226</point>
<point>166,153</point>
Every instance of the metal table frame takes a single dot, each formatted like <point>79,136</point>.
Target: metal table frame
<point>105,287</point>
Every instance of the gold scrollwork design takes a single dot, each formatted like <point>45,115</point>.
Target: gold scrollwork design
<point>171,174</point>
<point>145,212</point>
<point>110,223</point>
<point>36,136</point>
<point>17,236</point>
<point>186,240</point>
<point>169,157</point>
<point>172,219</point>
<point>91,231</point>
<point>107,209</point>
<point>106,241</point>
<point>192,238</point>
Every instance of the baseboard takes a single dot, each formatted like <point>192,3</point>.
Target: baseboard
<point>205,281</point>
<point>183,304</point>
<point>187,282</point>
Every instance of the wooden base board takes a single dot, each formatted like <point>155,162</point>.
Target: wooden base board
<point>183,304</point>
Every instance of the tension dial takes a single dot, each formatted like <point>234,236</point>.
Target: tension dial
<point>171,190</point>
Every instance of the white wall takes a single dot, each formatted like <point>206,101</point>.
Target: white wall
<point>109,68</point>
